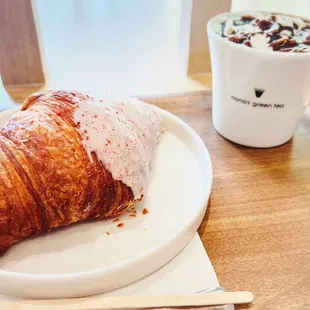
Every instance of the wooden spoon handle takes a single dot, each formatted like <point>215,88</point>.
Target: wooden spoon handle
<point>132,302</point>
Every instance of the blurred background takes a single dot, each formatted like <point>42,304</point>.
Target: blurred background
<point>137,46</point>
<point>144,48</point>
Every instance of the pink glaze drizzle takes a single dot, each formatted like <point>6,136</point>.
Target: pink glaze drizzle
<point>123,134</point>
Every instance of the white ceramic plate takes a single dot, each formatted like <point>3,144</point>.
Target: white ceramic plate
<point>84,259</point>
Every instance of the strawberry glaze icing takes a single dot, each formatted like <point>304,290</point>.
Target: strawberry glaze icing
<point>123,133</point>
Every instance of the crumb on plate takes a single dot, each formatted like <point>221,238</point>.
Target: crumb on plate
<point>145,211</point>
<point>120,225</point>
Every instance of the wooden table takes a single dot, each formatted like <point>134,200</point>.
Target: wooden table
<point>257,227</point>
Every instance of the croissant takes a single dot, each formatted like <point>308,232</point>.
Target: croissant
<point>68,157</point>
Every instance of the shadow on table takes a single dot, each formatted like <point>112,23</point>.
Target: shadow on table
<point>205,220</point>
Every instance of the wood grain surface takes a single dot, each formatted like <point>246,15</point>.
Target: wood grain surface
<point>202,11</point>
<point>257,227</point>
<point>20,58</point>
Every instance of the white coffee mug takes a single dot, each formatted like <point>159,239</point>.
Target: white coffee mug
<point>258,96</point>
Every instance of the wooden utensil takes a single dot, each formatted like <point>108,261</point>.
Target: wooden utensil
<point>132,302</point>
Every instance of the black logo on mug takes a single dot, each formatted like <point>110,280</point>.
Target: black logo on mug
<point>259,92</point>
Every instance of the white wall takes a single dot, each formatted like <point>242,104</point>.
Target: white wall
<point>135,47</point>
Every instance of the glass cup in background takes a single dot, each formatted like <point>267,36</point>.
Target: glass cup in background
<point>258,96</point>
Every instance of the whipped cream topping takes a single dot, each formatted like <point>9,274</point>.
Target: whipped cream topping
<point>274,32</point>
<point>123,133</point>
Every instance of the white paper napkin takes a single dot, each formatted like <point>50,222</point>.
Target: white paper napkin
<point>189,272</point>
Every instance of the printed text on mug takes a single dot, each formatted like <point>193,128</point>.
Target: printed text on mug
<point>258,104</point>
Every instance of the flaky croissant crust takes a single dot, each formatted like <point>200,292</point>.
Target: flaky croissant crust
<point>47,179</point>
